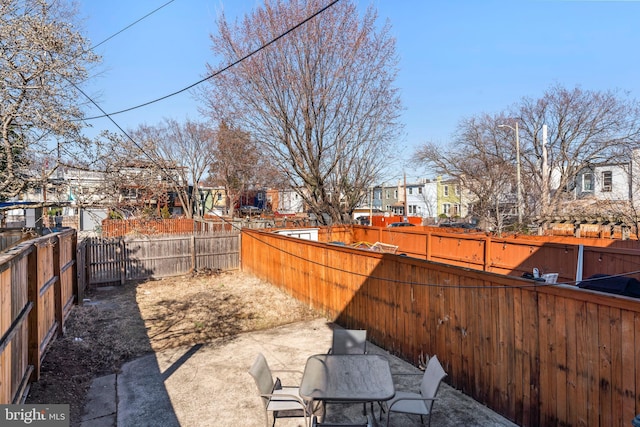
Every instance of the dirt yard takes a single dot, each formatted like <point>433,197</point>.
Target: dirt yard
<point>120,323</point>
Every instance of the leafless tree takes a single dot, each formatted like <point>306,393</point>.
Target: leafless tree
<point>235,163</point>
<point>320,102</point>
<point>483,161</point>
<point>43,59</point>
<point>180,155</point>
<point>584,128</point>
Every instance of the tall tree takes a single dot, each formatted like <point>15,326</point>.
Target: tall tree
<point>320,101</point>
<point>585,127</point>
<point>181,153</point>
<point>235,165</point>
<point>42,57</point>
<point>482,160</point>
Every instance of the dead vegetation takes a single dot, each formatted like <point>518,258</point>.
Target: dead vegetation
<point>120,323</point>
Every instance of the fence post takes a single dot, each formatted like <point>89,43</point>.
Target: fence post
<point>487,253</point>
<point>34,315</point>
<point>57,285</point>
<point>123,261</point>
<point>193,252</point>
<point>80,278</point>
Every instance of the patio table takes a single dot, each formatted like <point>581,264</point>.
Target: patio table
<point>347,378</point>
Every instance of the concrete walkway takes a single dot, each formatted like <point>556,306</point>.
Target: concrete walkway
<point>208,385</point>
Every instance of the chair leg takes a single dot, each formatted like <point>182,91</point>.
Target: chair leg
<point>381,409</point>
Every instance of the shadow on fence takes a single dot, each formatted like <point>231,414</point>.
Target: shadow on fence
<point>538,354</point>
<point>38,287</point>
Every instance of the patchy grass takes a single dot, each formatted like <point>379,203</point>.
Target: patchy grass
<point>121,323</point>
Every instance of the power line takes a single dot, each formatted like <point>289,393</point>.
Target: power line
<point>220,71</point>
<point>131,25</point>
<point>108,115</point>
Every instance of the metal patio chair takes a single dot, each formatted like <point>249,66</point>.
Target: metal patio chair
<point>419,403</point>
<point>349,341</point>
<point>281,401</point>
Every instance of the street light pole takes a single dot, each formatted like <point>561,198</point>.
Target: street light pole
<point>518,176</point>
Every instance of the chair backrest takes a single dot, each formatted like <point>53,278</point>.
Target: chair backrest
<point>262,376</point>
<point>349,341</point>
<point>433,376</point>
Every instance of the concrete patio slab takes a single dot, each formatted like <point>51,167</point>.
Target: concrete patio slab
<point>208,385</point>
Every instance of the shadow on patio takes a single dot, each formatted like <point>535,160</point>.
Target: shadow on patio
<point>211,387</point>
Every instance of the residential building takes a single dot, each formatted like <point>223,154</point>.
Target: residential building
<point>451,199</point>
<point>214,200</point>
<point>286,202</point>
<point>422,199</point>
<point>604,182</point>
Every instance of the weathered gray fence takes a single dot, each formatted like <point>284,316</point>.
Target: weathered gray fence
<point>9,238</point>
<point>120,259</point>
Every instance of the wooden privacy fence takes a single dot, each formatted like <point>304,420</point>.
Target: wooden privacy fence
<point>122,227</point>
<point>512,256</point>
<point>121,259</point>
<point>538,354</point>
<point>9,238</point>
<point>37,290</point>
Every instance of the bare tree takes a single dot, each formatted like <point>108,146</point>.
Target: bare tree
<point>180,153</point>
<point>320,101</point>
<point>43,59</point>
<point>483,161</point>
<point>234,165</point>
<point>584,128</point>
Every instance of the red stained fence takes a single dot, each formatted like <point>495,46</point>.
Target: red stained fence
<point>538,354</point>
<point>37,289</point>
<point>510,255</point>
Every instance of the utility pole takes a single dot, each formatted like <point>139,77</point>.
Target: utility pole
<point>545,172</point>
<point>406,215</point>
<point>371,206</point>
<point>518,177</point>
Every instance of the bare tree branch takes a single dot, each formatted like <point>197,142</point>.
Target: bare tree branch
<point>320,101</point>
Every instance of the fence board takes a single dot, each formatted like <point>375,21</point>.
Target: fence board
<point>510,256</point>
<point>113,260</point>
<point>36,293</point>
<point>573,406</point>
<point>540,355</point>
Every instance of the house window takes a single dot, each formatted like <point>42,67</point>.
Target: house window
<point>446,191</point>
<point>395,194</point>
<point>607,181</point>
<point>457,190</point>
<point>410,190</point>
<point>419,190</point>
<point>446,208</point>
<point>388,194</point>
<point>130,193</point>
<point>587,182</point>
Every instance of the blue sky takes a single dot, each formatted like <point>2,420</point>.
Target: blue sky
<point>457,57</point>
